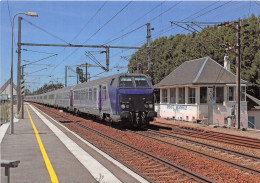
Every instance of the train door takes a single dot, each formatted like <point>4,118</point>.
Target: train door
<point>100,99</point>
<point>71,98</point>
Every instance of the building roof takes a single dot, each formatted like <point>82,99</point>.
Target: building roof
<point>199,72</point>
<point>253,103</point>
<point>6,84</point>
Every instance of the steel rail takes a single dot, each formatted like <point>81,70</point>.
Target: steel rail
<point>254,140</point>
<point>202,136</point>
<point>195,175</point>
<point>223,139</point>
<point>186,171</point>
<point>216,158</point>
<point>208,145</point>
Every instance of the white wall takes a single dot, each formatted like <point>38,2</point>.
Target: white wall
<point>256,114</point>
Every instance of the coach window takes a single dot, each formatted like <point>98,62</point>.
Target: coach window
<point>104,91</point>
<point>95,94</point>
<point>90,94</point>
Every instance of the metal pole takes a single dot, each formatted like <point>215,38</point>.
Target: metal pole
<point>11,80</point>
<point>19,67</point>
<point>107,59</point>
<point>238,62</point>
<point>65,76</point>
<point>23,94</point>
<point>11,85</point>
<point>86,72</point>
<point>148,46</point>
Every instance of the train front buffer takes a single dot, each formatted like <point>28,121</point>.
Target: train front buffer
<point>137,107</point>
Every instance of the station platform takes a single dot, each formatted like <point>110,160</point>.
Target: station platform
<point>49,152</point>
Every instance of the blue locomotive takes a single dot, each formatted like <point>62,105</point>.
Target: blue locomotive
<point>122,98</point>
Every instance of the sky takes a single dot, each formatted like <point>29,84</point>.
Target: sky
<point>114,23</point>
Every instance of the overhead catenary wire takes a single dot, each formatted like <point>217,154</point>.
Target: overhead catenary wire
<point>88,22</point>
<point>105,24</point>
<point>125,34</point>
<point>38,51</point>
<point>171,28</point>
<point>9,12</point>
<point>47,32</point>
<point>137,20</point>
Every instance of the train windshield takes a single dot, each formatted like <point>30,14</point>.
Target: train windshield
<point>141,82</point>
<point>138,81</point>
<point>126,82</point>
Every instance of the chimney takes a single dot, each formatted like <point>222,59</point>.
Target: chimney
<point>226,62</point>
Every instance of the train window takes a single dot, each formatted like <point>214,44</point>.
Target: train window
<point>126,82</point>
<point>87,94</point>
<point>104,91</point>
<point>95,94</point>
<point>141,82</point>
<point>85,97</point>
<point>90,94</point>
<point>76,95</point>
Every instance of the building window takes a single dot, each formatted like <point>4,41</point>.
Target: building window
<point>231,93</point>
<point>251,122</point>
<point>173,95</point>
<point>181,95</point>
<point>243,93</point>
<point>192,95</point>
<point>219,95</point>
<point>164,95</point>
<point>203,95</point>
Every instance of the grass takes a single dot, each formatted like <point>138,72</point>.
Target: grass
<point>7,111</point>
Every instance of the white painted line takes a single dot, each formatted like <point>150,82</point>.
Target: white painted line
<point>3,130</point>
<point>91,164</point>
<point>123,167</point>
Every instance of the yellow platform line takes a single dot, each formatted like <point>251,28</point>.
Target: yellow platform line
<point>50,169</point>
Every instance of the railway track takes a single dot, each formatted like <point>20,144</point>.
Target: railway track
<point>160,136</point>
<point>149,166</point>
<point>214,136</point>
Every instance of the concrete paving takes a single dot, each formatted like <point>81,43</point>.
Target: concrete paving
<point>72,158</point>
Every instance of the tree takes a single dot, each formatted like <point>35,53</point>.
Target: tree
<point>168,53</point>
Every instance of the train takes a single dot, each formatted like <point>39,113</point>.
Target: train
<point>124,98</point>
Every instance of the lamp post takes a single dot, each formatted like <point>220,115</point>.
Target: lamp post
<point>33,14</point>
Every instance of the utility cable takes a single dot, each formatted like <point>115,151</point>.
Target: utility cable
<point>47,32</point>
<point>38,51</point>
<point>166,11</point>
<point>125,34</point>
<point>88,22</point>
<point>138,19</point>
<point>96,32</point>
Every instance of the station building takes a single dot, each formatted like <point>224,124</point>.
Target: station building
<point>184,92</point>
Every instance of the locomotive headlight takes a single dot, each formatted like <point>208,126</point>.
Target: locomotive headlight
<point>123,106</point>
<point>150,106</point>
<point>127,106</point>
<point>146,105</point>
